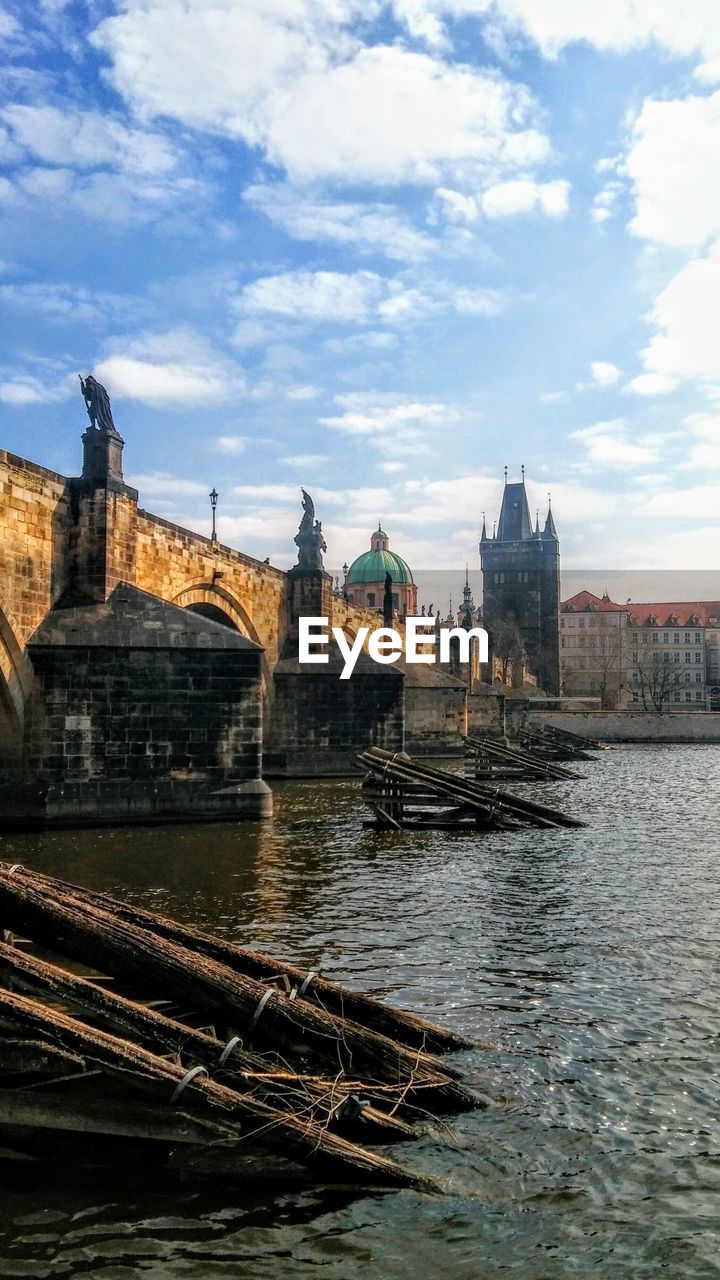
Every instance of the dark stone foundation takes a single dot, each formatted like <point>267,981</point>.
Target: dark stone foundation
<point>141,711</point>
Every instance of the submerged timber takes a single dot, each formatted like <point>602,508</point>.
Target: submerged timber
<point>280,1069</point>
<point>401,793</point>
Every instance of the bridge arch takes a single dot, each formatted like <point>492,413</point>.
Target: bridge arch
<point>209,601</point>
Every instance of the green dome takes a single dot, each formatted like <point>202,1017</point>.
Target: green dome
<point>372,566</point>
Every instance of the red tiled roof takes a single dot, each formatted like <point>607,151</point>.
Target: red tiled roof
<point>706,610</point>
<point>585,601</point>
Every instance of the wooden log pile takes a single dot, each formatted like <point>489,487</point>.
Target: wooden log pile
<point>243,1050</point>
<point>550,743</point>
<point>491,761</point>
<point>403,793</point>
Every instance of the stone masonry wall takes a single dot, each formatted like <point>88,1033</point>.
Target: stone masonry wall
<point>633,726</point>
<point>142,714</point>
<point>320,722</point>
<point>34,542</point>
<point>436,718</point>
<point>170,560</point>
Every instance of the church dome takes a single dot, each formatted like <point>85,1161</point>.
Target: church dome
<point>373,565</point>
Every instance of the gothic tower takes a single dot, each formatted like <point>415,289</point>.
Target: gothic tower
<point>521,582</point>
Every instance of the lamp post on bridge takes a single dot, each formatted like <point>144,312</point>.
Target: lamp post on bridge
<point>213,503</point>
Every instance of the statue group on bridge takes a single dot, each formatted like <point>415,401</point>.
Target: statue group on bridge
<point>309,538</point>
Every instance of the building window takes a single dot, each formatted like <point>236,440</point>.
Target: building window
<point>396,602</point>
<point>698,696</point>
<point>687,637</point>
<point>499,578</point>
<point>687,657</point>
<point>698,656</point>
<point>371,599</point>
<point>698,677</point>
<point>676,697</point>
<point>688,696</point>
<point>523,575</point>
<point>656,638</point>
<point>676,637</point>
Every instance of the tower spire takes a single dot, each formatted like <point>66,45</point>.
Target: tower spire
<point>550,531</point>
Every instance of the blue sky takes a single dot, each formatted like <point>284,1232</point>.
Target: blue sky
<point>379,250</point>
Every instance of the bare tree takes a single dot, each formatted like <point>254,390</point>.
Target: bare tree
<point>606,649</point>
<point>507,645</point>
<point>653,675</point>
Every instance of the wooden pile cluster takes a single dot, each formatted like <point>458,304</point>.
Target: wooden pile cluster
<point>550,743</point>
<point>177,1035</point>
<point>490,761</point>
<point>403,793</point>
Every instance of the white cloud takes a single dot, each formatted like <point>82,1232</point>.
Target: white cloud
<point>21,389</point>
<point>314,295</point>
<point>606,445</point>
<point>64,302</point>
<point>177,369</point>
<point>704,454</point>
<point>686,319</point>
<point>304,391</point>
<point>620,25</point>
<point>358,297</point>
<point>303,460</point>
<point>289,76</point>
<point>651,384</point>
<point>674,165</point>
<point>525,195</point>
<point>231,444</point>
<point>391,422</point>
<point>699,502</point>
<point>114,199</point>
<point>392,116</point>
<point>370,227</point>
<point>161,484</point>
<point>604,374</point>
<point>87,140</point>
<point>604,203</point>
<point>477,302</point>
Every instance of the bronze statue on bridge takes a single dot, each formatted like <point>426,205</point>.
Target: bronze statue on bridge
<point>97,403</point>
<point>309,538</point>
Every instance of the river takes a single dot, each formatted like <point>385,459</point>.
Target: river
<point>583,963</point>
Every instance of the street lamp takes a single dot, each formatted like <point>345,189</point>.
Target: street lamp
<point>213,503</point>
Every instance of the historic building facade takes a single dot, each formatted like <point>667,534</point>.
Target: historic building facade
<point>656,656</point>
<point>521,585</point>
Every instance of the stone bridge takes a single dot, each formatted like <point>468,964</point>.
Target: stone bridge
<point>67,544</point>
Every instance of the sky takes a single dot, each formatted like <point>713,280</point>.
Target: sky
<point>380,250</point>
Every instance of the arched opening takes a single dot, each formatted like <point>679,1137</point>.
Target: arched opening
<point>212,612</point>
<point>715,699</point>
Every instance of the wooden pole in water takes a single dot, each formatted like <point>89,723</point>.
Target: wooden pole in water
<point>265,1015</point>
<point>167,1081</point>
<point>245,1071</point>
<point>407,1028</point>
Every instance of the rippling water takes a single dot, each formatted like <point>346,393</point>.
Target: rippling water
<point>583,962</point>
